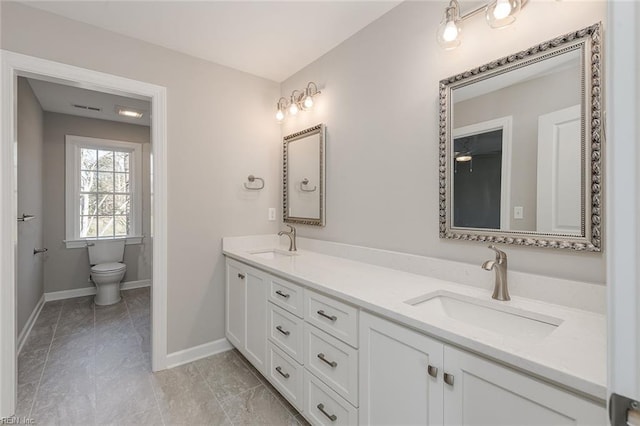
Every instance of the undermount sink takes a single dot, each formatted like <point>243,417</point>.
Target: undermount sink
<point>488,315</point>
<point>273,253</point>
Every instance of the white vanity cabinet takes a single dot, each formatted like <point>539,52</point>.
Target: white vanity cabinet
<point>399,384</point>
<point>246,311</point>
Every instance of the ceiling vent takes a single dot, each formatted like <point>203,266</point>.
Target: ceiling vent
<point>88,108</point>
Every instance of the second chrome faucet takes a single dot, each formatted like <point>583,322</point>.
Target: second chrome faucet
<point>500,290</point>
<point>292,237</point>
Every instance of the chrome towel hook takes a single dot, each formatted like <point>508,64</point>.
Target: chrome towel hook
<point>251,179</point>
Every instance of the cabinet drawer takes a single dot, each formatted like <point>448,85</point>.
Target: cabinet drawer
<point>286,375</point>
<point>286,331</point>
<point>333,361</point>
<point>336,318</point>
<point>287,295</point>
<point>322,406</point>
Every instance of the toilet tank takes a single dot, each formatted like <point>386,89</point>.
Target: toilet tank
<point>105,251</point>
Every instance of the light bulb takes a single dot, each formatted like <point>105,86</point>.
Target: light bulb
<point>293,109</point>
<point>279,115</point>
<point>501,13</point>
<point>450,31</point>
<point>308,102</point>
<point>502,9</point>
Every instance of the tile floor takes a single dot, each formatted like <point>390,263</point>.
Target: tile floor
<point>90,365</point>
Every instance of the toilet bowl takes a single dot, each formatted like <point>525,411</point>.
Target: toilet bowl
<point>107,270</point>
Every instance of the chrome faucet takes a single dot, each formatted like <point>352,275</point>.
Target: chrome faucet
<point>292,237</point>
<point>500,291</point>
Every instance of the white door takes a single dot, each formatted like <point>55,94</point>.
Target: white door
<point>559,202</point>
<point>396,385</point>
<point>484,393</point>
<point>623,198</point>
<point>256,319</point>
<point>235,304</point>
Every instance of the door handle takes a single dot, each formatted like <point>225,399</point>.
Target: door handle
<point>40,250</point>
<point>448,379</point>
<point>433,371</point>
<point>279,370</point>
<point>241,276</point>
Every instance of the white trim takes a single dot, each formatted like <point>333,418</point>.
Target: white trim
<point>13,65</point>
<point>73,144</point>
<point>198,352</point>
<point>24,334</point>
<point>90,291</point>
<point>622,235</point>
<point>504,124</point>
<point>72,244</point>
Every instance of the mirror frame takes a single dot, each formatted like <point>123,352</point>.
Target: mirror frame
<point>589,40</point>
<point>320,130</point>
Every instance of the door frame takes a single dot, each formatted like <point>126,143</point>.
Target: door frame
<point>12,66</point>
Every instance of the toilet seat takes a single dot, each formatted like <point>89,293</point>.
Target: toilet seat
<point>108,268</point>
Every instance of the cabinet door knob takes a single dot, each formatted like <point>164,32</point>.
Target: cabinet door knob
<point>241,276</point>
<point>333,364</point>
<point>281,294</point>
<point>448,379</point>
<point>282,330</point>
<point>279,370</point>
<point>433,371</point>
<point>331,417</point>
<point>333,318</point>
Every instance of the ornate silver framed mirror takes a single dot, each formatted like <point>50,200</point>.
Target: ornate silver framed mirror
<point>520,147</point>
<point>304,176</point>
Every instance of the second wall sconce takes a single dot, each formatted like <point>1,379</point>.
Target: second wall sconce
<point>498,13</point>
<point>299,100</point>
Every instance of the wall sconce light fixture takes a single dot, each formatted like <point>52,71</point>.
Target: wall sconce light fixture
<point>299,100</point>
<point>498,13</point>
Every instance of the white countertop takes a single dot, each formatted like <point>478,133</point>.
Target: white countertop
<point>573,355</point>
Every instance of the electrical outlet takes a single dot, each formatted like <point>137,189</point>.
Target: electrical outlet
<point>518,212</point>
<point>272,213</point>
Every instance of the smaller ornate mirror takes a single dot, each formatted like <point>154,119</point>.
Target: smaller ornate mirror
<point>303,177</point>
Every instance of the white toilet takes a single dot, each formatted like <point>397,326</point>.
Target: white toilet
<point>107,269</point>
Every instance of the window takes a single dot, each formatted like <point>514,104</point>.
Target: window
<point>103,190</point>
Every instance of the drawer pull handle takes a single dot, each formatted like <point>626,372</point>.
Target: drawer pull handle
<point>331,417</point>
<point>283,331</point>
<point>433,371</point>
<point>241,276</point>
<point>448,379</point>
<point>329,317</point>
<point>281,294</point>
<point>279,370</point>
<point>333,364</point>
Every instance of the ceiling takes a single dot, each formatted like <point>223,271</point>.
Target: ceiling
<point>60,98</point>
<point>271,39</point>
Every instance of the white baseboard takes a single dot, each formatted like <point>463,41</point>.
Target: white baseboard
<point>198,352</point>
<point>90,291</point>
<point>22,337</point>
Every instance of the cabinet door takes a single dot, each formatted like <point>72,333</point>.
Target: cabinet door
<point>235,304</point>
<point>256,319</point>
<point>486,393</point>
<point>395,385</point>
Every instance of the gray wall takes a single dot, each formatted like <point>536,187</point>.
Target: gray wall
<point>30,283</point>
<point>220,130</point>
<point>563,90</point>
<point>380,104</point>
<point>68,268</point>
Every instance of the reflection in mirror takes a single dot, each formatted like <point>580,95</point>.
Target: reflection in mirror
<point>303,196</point>
<point>520,139</point>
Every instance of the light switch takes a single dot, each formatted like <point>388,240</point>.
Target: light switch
<point>518,212</point>
<point>272,213</point>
